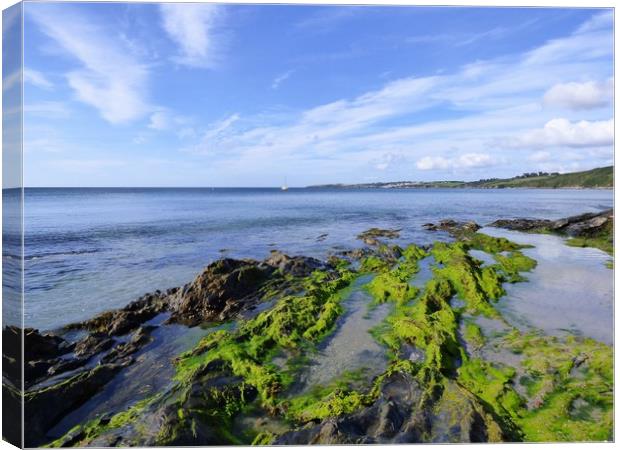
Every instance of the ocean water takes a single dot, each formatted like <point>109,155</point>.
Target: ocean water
<point>89,250</point>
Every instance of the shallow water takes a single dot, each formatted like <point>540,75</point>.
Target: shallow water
<point>351,346</point>
<point>570,290</point>
<point>89,250</point>
<point>424,274</point>
<point>151,373</point>
<point>484,257</point>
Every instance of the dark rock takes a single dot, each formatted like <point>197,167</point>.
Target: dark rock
<point>222,282</point>
<point>121,321</point>
<point>356,254</point>
<point>92,344</point>
<point>139,339</point>
<point>403,413</point>
<point>582,225</point>
<point>298,266</point>
<point>453,227</point>
<point>374,233</point>
<point>12,425</point>
<point>65,365</point>
<point>41,352</point>
<point>523,224</point>
<point>39,346</point>
<point>35,370</point>
<point>370,241</point>
<point>212,390</point>
<point>46,406</point>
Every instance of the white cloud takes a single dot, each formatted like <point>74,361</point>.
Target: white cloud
<point>490,99</point>
<point>539,156</point>
<point>466,161</point>
<point>37,79</point>
<point>604,20</point>
<point>433,163</point>
<point>388,161</point>
<point>109,78</point>
<point>159,120</point>
<point>191,26</point>
<point>578,96</point>
<point>280,79</point>
<point>564,133</point>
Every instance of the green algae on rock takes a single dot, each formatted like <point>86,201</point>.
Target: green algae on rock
<point>393,285</point>
<point>433,390</point>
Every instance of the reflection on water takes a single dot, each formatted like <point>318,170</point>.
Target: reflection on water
<point>570,290</point>
<point>351,347</point>
<point>151,373</point>
<point>484,257</point>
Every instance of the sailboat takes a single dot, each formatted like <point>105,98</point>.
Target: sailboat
<point>284,186</point>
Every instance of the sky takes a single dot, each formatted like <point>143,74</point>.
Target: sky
<point>251,95</point>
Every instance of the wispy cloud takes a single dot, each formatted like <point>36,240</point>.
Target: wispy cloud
<point>49,109</point>
<point>37,79</point>
<point>464,39</point>
<point>277,81</point>
<point>215,138</point>
<point>328,18</point>
<point>498,104</point>
<point>192,27</point>
<point>107,77</point>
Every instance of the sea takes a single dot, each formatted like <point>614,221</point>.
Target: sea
<point>90,250</point>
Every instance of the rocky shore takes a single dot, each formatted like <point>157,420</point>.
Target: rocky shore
<point>448,377</point>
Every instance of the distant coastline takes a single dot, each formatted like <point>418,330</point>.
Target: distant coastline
<point>599,178</point>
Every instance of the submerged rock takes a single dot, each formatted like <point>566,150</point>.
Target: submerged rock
<point>369,237</point>
<point>403,413</point>
<point>139,339</point>
<point>45,407</point>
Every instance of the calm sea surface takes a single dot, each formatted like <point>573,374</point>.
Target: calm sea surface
<point>88,250</point>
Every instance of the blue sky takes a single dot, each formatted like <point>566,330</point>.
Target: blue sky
<point>246,95</point>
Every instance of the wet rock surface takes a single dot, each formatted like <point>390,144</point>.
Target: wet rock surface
<point>222,285</point>
<point>431,392</point>
<point>219,293</point>
<point>403,414</point>
<point>228,286</point>
<point>44,407</point>
<point>41,352</point>
<point>452,226</point>
<point>372,235</point>
<point>583,225</point>
<point>121,321</point>
<point>297,266</point>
